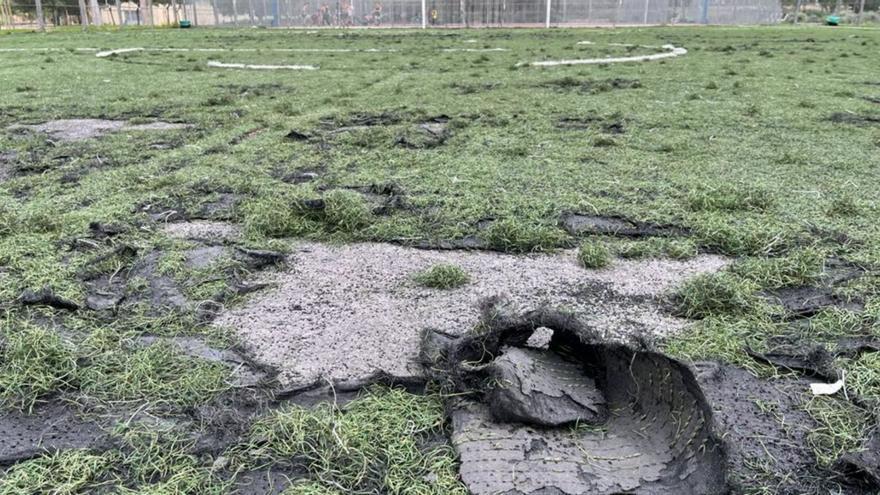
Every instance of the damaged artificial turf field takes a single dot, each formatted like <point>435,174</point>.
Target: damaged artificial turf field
<point>760,144</point>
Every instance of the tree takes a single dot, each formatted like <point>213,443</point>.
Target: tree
<point>41,23</point>
<point>96,13</point>
<point>83,14</point>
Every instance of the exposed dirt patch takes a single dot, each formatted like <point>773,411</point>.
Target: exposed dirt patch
<point>854,119</point>
<point>610,125</point>
<point>8,159</point>
<point>259,89</point>
<point>218,206</point>
<point>243,372</point>
<point>345,312</point>
<point>794,352</point>
<point>299,176</point>
<point>204,231</point>
<point>271,481</point>
<point>803,302</point>
<point>82,129</point>
<point>765,428</point>
<point>52,426</point>
<point>862,468</point>
<point>591,85</point>
<point>464,88</point>
<point>428,134</point>
<point>419,132</point>
<point>578,224</point>
<point>638,421</point>
<point>204,256</point>
<point>382,198</point>
<point>141,282</point>
<point>363,119</point>
<point>806,301</point>
<point>46,297</point>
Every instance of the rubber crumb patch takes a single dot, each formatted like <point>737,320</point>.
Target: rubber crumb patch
<point>81,129</point>
<point>346,312</point>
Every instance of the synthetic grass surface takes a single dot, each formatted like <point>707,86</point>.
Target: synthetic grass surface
<point>764,142</point>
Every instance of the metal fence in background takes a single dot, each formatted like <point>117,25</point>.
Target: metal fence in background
<point>386,13</point>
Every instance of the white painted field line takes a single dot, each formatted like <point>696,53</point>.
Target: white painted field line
<point>215,63</point>
<point>117,51</point>
<point>624,45</point>
<point>474,49</point>
<point>671,51</point>
<point>46,49</point>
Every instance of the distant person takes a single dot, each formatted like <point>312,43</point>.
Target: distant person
<point>305,15</point>
<point>434,15</point>
<point>377,13</point>
<point>325,15</point>
<point>347,13</point>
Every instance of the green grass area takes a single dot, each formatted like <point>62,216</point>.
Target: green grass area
<point>374,444</point>
<point>594,255</point>
<point>442,276</point>
<point>759,142</point>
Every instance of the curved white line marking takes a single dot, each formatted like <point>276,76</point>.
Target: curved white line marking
<point>671,51</point>
<point>117,51</point>
<point>215,63</point>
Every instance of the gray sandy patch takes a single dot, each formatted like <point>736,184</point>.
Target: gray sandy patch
<point>203,231</point>
<point>81,129</point>
<point>344,312</point>
<point>204,256</point>
<point>7,159</point>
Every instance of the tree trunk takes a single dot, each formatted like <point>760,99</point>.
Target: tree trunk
<point>96,13</point>
<point>119,13</point>
<point>216,13</point>
<point>41,23</point>
<point>83,14</point>
<point>150,20</point>
<point>235,13</point>
<point>251,12</point>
